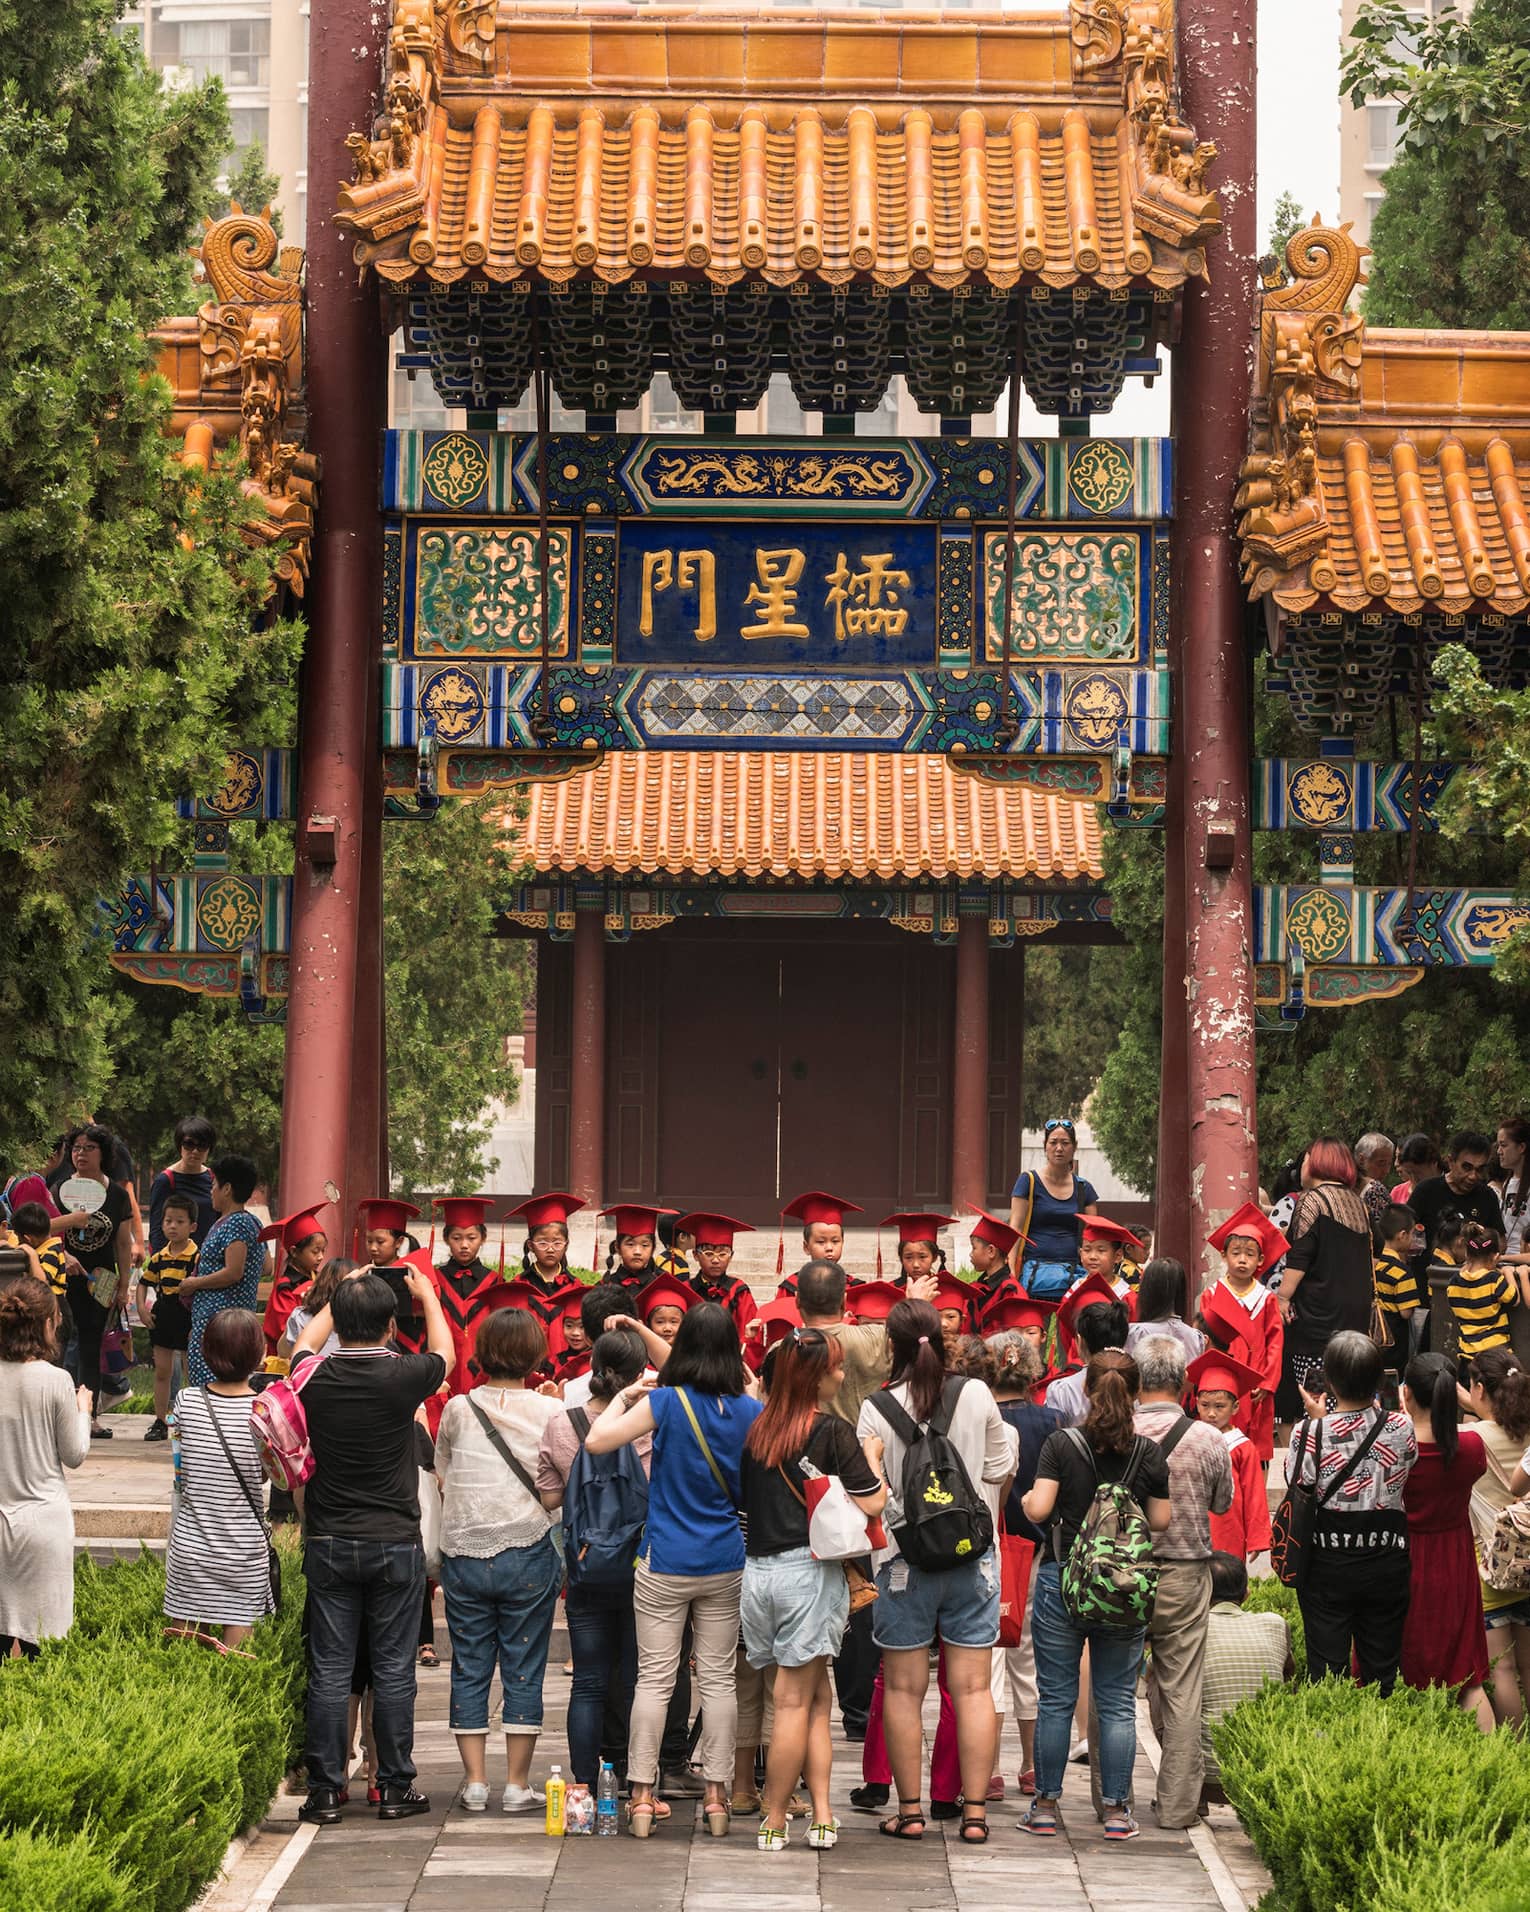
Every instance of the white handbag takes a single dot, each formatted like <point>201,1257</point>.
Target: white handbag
<point>430,1523</point>
<point>837,1528</point>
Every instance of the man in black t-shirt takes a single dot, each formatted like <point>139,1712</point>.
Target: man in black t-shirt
<point>1463,1186</point>
<point>362,1556</point>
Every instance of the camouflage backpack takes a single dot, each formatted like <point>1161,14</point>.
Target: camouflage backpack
<point>1109,1578</point>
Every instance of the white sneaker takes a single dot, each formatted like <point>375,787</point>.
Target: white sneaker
<point>1080,1754</point>
<point>475,1798</point>
<point>522,1799</point>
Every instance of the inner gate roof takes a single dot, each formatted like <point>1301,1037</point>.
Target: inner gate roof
<point>836,816</point>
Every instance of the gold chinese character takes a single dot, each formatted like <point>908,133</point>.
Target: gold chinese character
<point>866,601</point>
<point>697,572</point>
<point>775,595</point>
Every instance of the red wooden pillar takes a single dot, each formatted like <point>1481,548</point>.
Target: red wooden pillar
<point>368,1159</point>
<point>969,1073</point>
<point>347,396</point>
<point>1217,67</point>
<point>1171,1214</point>
<point>587,1087</point>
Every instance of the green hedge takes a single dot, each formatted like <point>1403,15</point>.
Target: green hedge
<point>1360,1804</point>
<point>132,1761</point>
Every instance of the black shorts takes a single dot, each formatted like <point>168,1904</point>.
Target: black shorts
<point>171,1326</point>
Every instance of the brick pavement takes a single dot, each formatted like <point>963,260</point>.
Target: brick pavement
<point>450,1861</point>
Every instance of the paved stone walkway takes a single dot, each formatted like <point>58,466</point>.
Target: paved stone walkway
<point>450,1861</point>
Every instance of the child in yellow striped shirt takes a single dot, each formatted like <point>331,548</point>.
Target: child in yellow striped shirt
<point>1396,1287</point>
<point>1481,1293</point>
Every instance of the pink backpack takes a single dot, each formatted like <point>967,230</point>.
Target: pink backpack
<point>279,1423</point>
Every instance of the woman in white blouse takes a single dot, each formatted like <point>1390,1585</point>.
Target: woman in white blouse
<point>500,1571</point>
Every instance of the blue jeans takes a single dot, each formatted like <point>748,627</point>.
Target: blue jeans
<point>376,1585</point>
<point>1115,1660</point>
<point>602,1639</point>
<point>500,1609</point>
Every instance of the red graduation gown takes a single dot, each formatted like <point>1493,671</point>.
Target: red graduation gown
<point>730,1293</point>
<point>469,1293</point>
<point>287,1292</point>
<point>1245,1528</point>
<point>1250,1329</point>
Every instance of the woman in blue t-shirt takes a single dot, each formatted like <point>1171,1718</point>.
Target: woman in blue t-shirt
<point>1045,1206</point>
<point>692,1565</point>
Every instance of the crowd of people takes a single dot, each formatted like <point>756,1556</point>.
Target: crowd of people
<point>1038,1478</point>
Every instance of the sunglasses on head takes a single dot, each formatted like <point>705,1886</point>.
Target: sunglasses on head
<point>1057,1122</point>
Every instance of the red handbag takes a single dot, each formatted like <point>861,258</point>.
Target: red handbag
<point>1016,1553</point>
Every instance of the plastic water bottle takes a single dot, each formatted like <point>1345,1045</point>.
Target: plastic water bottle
<point>555,1803</point>
<point>605,1802</point>
<point>173,1428</point>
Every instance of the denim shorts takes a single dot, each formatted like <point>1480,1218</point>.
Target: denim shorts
<point>1517,1615</point>
<point>793,1608</point>
<point>914,1609</point>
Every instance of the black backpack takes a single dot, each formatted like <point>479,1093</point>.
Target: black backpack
<point>946,1522</point>
<point>605,1509</point>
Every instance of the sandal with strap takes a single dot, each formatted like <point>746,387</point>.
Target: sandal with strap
<point>640,1817</point>
<point>974,1832</point>
<point>1041,1819</point>
<point>896,1827</point>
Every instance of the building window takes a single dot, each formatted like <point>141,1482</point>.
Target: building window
<point>1381,135</point>
<point>251,127</point>
<point>238,52</point>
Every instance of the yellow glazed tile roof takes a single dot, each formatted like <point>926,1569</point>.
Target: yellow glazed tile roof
<point>804,814</point>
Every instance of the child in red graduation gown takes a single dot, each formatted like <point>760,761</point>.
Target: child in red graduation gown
<point>823,1230</point>
<point>714,1235</point>
<point>1220,1383</point>
<point>1241,1317</point>
<point>630,1257</point>
<point>470,1291</point>
<point>1102,1251</point>
<point>544,1257</point>
<point>304,1246</point>
<point>919,1249</point>
<point>1033,1319</point>
<point>993,1244</point>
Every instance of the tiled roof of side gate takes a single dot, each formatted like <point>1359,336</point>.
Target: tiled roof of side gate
<point>547,142</point>
<point>1389,470</point>
<point>801,814</point>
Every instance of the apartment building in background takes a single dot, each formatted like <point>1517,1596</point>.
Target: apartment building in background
<point>1368,134</point>
<point>259,50</point>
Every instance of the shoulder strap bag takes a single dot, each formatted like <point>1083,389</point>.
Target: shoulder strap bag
<point>273,1558</point>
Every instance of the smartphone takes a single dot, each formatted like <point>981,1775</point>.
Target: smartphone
<point>1316,1382</point>
<point>395,1278</point>
<point>1389,1394</point>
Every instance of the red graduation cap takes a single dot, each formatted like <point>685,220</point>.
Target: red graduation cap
<point>953,1293</point>
<point>1214,1369</point>
<point>1092,1288</point>
<point>664,1292</point>
<point>296,1227</point>
<point>1250,1219</point>
<point>874,1300</point>
<point>780,1317</point>
<point>712,1231</point>
<point>816,1206</point>
<point>566,1300</point>
<point>542,1209</point>
<point>912,1227</point>
<point>463,1211</point>
<point>382,1211</point>
<point>1102,1228</point>
<point>991,1229</point>
<point>632,1220</point>
<point>1016,1311</point>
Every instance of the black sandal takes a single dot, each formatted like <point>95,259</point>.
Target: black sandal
<point>974,1832</point>
<point>895,1828</point>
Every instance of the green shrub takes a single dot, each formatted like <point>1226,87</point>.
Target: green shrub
<point>1458,1875</point>
<point>170,1748</point>
<point>1339,1789</point>
<point>1269,1596</point>
<point>58,1875</point>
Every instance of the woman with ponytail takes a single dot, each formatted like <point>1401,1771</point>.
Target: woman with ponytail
<point>795,1608</point>
<point>1068,1472</point>
<point>1499,1397</point>
<point>1444,1641</point>
<point>959,1606</point>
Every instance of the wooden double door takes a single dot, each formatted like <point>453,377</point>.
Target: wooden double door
<point>743,1067</point>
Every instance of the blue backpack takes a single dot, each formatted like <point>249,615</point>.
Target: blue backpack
<point>605,1507</point>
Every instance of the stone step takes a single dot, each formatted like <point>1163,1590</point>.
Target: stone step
<point>107,1549</point>
<point>121,1520</point>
